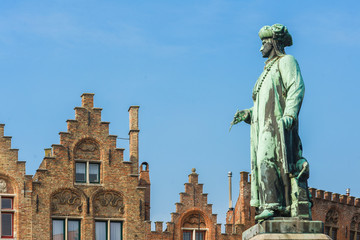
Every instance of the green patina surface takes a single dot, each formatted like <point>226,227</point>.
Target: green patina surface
<point>279,173</point>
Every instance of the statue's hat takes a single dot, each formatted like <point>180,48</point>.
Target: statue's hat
<point>278,32</point>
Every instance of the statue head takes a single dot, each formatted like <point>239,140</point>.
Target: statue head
<point>275,38</point>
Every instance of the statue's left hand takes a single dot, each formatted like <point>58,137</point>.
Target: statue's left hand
<point>288,122</point>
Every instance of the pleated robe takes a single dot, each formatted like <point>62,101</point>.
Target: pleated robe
<point>275,150</point>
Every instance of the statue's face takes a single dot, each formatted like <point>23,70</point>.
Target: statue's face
<point>266,48</point>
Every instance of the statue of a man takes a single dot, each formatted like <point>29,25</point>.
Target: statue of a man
<point>278,169</point>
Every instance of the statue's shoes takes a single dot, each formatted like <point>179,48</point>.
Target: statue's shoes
<point>264,215</point>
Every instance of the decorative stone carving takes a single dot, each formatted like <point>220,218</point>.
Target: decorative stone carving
<point>3,188</point>
<point>109,203</point>
<point>194,220</point>
<point>87,149</point>
<point>355,223</point>
<point>66,202</point>
<point>332,217</point>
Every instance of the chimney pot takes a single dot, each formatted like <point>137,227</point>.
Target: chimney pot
<point>348,192</point>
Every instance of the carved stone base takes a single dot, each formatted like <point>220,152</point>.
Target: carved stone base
<point>286,228</point>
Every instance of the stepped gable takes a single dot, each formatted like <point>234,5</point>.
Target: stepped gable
<point>193,201</point>
<point>85,176</point>
<point>8,155</point>
<point>87,137</point>
<point>193,215</point>
<point>15,184</point>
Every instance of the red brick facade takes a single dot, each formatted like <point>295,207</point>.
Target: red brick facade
<point>340,213</point>
<point>110,191</point>
<point>17,187</point>
<point>193,216</point>
<point>84,187</point>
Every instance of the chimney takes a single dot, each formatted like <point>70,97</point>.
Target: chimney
<point>348,192</point>
<point>145,182</point>
<point>87,100</point>
<point>244,196</point>
<point>134,138</point>
<point>230,191</point>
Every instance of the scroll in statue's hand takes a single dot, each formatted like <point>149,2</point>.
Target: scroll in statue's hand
<point>302,168</point>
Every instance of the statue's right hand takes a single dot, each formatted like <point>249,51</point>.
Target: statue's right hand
<point>240,116</point>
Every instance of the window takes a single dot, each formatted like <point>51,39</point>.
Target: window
<point>94,172</point>
<point>194,234</point>
<point>87,172</point>
<point>331,223</point>
<point>80,174</point>
<point>331,231</point>
<point>355,228</point>
<point>66,229</point>
<point>108,230</point>
<point>194,227</point>
<point>7,216</point>
<point>354,235</point>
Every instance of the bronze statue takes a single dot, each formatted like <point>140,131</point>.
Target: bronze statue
<point>279,173</point>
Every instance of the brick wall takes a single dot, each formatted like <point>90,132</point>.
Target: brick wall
<point>17,185</point>
<point>193,213</point>
<point>335,210</point>
<point>123,192</point>
<point>53,193</point>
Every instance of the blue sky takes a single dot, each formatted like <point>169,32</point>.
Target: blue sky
<point>189,65</point>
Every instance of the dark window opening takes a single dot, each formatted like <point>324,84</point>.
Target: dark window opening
<point>71,228</point>
<point>80,172</point>
<point>94,172</point>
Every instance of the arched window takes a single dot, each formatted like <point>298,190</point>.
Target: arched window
<point>87,162</point>
<point>331,223</point>
<point>194,227</point>
<point>355,227</point>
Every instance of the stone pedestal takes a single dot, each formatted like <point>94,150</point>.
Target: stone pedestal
<point>286,228</point>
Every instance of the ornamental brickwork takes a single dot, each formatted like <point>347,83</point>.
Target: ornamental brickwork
<point>85,189</point>
<point>83,180</point>
<point>193,218</point>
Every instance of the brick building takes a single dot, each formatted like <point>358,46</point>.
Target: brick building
<point>84,189</point>
<point>340,213</point>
